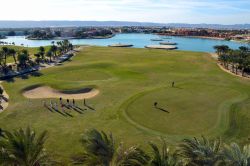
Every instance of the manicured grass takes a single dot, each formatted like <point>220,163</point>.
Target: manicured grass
<point>205,101</point>
<point>184,102</point>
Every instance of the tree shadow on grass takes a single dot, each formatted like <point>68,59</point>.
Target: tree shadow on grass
<point>31,74</point>
<point>36,74</point>
<point>58,64</point>
<point>10,80</point>
<point>24,76</point>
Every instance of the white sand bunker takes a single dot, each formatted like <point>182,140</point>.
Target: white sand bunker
<point>47,92</point>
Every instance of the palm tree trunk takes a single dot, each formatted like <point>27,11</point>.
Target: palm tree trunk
<point>14,57</point>
<point>5,59</point>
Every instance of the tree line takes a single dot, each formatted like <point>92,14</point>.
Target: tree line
<point>237,61</point>
<point>26,148</point>
<point>22,57</point>
<point>58,48</point>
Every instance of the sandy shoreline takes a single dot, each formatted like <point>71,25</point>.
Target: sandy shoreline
<point>205,37</point>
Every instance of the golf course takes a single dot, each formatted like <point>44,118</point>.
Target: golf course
<point>123,86</point>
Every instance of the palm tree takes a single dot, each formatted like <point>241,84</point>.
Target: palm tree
<point>71,47</point>
<point>42,51</point>
<point>224,49</point>
<point>221,49</point>
<point>245,64</point>
<point>12,52</point>
<point>23,147</point>
<point>38,55</point>
<point>162,157</point>
<point>234,156</point>
<point>59,43</point>
<point>23,57</point>
<point>66,45</point>
<point>5,51</point>
<point>100,149</point>
<point>53,49</point>
<point>49,54</point>
<point>200,152</point>
<point>224,59</point>
<point>1,58</point>
<point>244,49</point>
<point>234,56</point>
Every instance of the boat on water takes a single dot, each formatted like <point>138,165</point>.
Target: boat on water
<point>156,39</point>
<point>163,47</point>
<point>167,43</point>
<point>121,45</point>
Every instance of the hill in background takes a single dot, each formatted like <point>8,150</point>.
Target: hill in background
<point>42,24</point>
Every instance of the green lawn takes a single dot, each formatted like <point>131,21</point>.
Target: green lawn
<point>205,100</point>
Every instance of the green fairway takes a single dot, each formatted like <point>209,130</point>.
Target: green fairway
<point>205,100</point>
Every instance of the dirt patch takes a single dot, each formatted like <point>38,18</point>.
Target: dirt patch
<point>48,92</point>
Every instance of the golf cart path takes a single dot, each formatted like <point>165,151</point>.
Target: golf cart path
<point>215,56</point>
<point>6,104</point>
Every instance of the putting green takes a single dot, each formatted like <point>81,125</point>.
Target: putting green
<point>192,109</point>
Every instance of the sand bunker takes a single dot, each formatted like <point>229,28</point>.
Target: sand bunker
<point>47,92</point>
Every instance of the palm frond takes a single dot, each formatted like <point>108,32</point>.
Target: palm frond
<point>23,147</point>
<point>133,156</point>
<point>97,146</point>
<point>162,157</point>
<point>234,156</point>
<point>200,151</point>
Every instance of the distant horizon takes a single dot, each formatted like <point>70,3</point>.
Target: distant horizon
<point>226,12</point>
<point>124,22</point>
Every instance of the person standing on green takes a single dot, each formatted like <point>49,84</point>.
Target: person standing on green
<point>173,83</point>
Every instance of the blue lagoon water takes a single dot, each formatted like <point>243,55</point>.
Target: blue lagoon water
<point>138,40</point>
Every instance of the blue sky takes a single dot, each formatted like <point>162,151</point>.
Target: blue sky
<point>162,11</point>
